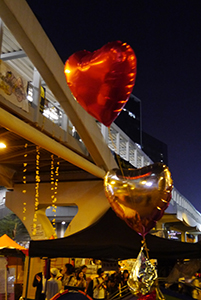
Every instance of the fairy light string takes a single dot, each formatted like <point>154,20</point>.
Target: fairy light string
<point>54,187</point>
<point>24,181</point>
<point>37,183</point>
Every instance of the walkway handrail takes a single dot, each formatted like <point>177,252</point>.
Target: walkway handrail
<point>122,145</point>
<point>136,157</point>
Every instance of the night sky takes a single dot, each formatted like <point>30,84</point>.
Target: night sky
<point>166,38</point>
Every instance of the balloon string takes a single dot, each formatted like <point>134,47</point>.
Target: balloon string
<point>159,294</point>
<point>115,149</point>
<point>144,245</point>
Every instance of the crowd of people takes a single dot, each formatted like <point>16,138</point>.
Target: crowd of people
<point>102,286</point>
<point>190,286</point>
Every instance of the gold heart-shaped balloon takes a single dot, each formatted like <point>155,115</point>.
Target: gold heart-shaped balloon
<point>139,196</point>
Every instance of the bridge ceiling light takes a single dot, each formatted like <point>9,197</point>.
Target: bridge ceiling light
<point>2,145</point>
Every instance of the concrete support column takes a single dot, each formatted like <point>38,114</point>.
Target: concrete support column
<point>160,225</point>
<point>90,200</point>
<point>1,35</point>
<point>15,202</point>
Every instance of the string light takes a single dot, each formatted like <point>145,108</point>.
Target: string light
<point>37,183</point>
<point>54,187</point>
<point>24,182</point>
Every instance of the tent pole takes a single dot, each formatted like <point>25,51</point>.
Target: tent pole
<point>27,283</point>
<point>6,280</point>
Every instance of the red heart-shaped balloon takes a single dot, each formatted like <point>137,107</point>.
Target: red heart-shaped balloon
<point>102,81</point>
<point>139,196</point>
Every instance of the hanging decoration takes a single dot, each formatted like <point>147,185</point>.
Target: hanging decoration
<point>102,81</point>
<point>37,183</point>
<point>142,276</point>
<point>52,183</point>
<point>24,181</point>
<point>139,196</point>
<point>54,187</point>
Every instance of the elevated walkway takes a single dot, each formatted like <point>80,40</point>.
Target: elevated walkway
<point>58,125</point>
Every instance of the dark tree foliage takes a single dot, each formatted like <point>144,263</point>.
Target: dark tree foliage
<point>14,228</point>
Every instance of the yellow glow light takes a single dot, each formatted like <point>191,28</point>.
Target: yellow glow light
<point>2,145</point>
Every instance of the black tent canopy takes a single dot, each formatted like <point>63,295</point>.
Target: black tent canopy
<point>110,238</point>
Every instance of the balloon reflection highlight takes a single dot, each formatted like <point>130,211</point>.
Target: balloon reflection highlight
<point>139,196</point>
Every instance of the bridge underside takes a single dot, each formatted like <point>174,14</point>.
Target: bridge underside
<point>82,165</point>
<point>22,161</point>
<point>20,151</point>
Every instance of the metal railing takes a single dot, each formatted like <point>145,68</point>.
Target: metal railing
<point>122,145</point>
<point>119,143</point>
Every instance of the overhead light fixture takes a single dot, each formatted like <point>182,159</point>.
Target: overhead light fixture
<point>2,145</point>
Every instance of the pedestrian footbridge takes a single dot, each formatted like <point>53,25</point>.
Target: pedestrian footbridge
<point>57,155</point>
